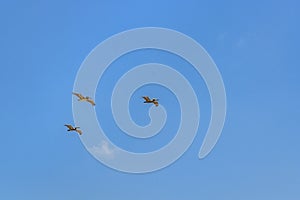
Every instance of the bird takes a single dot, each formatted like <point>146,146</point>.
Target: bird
<point>148,100</point>
<point>71,128</point>
<point>82,98</point>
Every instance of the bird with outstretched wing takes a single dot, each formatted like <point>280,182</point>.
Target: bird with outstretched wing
<point>82,98</point>
<point>71,128</point>
<point>148,100</point>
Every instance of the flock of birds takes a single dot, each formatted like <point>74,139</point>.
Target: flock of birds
<point>89,100</point>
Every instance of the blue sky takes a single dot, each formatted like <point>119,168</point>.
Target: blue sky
<point>255,45</point>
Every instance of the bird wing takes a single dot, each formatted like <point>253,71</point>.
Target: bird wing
<point>91,102</point>
<point>79,131</point>
<point>78,95</point>
<point>146,98</point>
<point>155,103</point>
<point>69,126</point>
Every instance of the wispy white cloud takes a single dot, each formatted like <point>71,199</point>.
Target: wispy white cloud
<point>241,42</point>
<point>221,37</point>
<point>234,40</point>
<point>103,150</point>
<point>246,39</point>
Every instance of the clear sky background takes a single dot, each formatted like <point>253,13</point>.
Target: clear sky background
<point>255,45</point>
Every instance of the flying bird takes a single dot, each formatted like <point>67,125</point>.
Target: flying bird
<point>82,98</point>
<point>148,100</point>
<point>71,128</point>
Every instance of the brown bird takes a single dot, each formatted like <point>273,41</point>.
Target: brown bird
<point>148,100</point>
<point>71,128</point>
<point>82,98</point>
